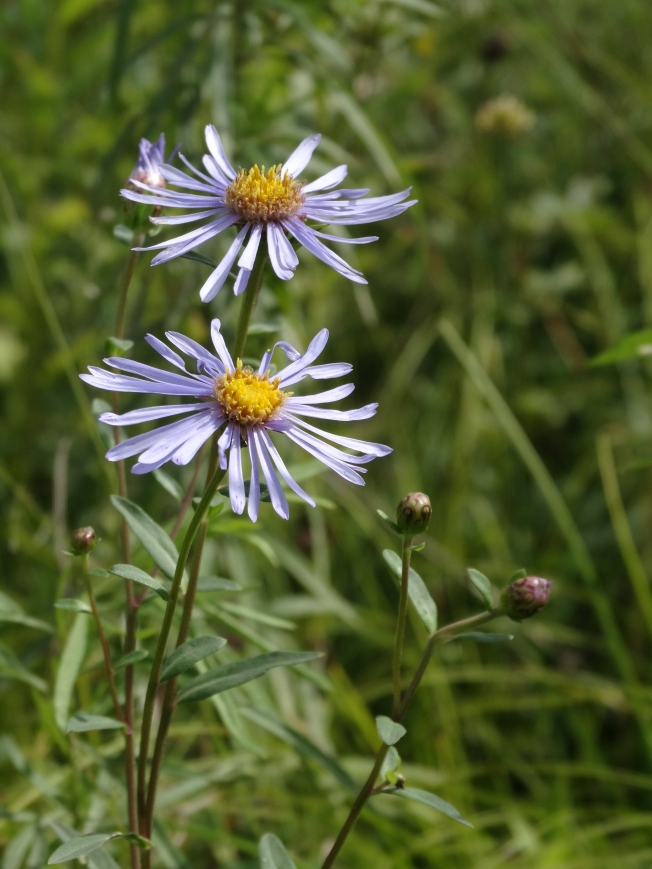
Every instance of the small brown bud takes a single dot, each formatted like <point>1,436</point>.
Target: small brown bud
<point>83,540</point>
<point>413,513</point>
<point>524,597</point>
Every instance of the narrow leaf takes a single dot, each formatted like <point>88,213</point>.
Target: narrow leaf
<point>428,799</point>
<point>169,484</point>
<point>83,723</point>
<point>151,535</point>
<point>188,654</point>
<point>256,616</point>
<point>12,612</point>
<point>98,860</point>
<point>389,731</point>
<point>239,672</point>
<point>629,347</point>
<point>98,571</point>
<point>135,574</point>
<point>200,258</point>
<point>419,595</point>
<point>484,637</point>
<point>217,583</point>
<point>273,854</point>
<point>264,491</point>
<point>299,743</point>
<point>70,664</point>
<point>389,522</point>
<point>134,657</point>
<point>72,604</point>
<point>483,585</point>
<point>80,846</point>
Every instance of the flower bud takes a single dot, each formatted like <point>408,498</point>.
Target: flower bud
<point>83,540</point>
<point>413,513</point>
<point>524,597</point>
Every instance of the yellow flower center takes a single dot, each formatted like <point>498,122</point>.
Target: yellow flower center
<point>258,196</point>
<point>246,397</point>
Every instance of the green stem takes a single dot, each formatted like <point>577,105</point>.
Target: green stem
<point>108,667</point>
<point>436,639</point>
<point>249,300</point>
<point>170,690</point>
<point>155,673</point>
<point>406,554</point>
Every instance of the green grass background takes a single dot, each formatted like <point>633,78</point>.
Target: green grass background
<point>526,256</point>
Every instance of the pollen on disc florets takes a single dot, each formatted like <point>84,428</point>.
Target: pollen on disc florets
<point>258,196</point>
<point>246,397</point>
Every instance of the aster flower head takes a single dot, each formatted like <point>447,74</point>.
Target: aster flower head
<point>249,404</point>
<point>263,203</point>
<point>148,166</point>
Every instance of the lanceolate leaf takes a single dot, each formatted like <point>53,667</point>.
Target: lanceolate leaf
<point>134,657</point>
<point>70,664</point>
<point>419,595</point>
<point>389,731</point>
<point>217,583</point>
<point>428,799</point>
<point>189,653</point>
<point>483,585</point>
<point>483,637</point>
<point>80,846</point>
<point>10,611</point>
<point>151,535</point>
<point>273,854</point>
<point>300,743</point>
<point>72,604</point>
<point>82,723</point>
<point>98,860</point>
<point>629,347</point>
<point>135,574</point>
<point>239,672</point>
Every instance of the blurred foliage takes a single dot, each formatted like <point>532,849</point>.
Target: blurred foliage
<point>530,252</point>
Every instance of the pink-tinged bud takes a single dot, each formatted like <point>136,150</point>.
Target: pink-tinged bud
<point>147,169</point>
<point>413,513</point>
<point>524,597</point>
<point>83,540</point>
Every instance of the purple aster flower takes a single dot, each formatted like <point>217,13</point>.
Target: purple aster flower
<point>147,170</point>
<point>272,203</point>
<point>249,404</point>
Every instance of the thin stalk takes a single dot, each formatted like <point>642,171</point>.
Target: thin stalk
<point>131,604</point>
<point>103,641</point>
<point>155,673</point>
<point>184,629</point>
<point>406,554</point>
<point>249,300</point>
<point>367,789</point>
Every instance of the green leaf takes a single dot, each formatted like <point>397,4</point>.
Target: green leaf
<point>71,662</point>
<point>13,613</point>
<point>123,234</point>
<point>419,595</point>
<point>12,668</point>
<point>169,484</point>
<point>134,657</point>
<point>98,571</point>
<point>217,583</point>
<point>264,491</point>
<point>99,859</point>
<point>484,637</point>
<point>389,731</point>
<point>256,616</point>
<point>630,347</point>
<point>273,854</point>
<point>392,762</point>
<point>264,328</point>
<point>416,547</point>
<point>428,799</point>
<point>82,723</point>
<point>151,535</point>
<point>519,574</point>
<point>80,846</point>
<point>299,743</point>
<point>239,672</point>
<point>117,346</point>
<point>72,604</point>
<point>135,574</point>
<point>200,258</point>
<point>389,522</point>
<point>188,654</point>
<point>483,585</point>
<point>16,851</point>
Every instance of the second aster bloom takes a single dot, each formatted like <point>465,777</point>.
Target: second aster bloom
<point>147,170</point>
<point>249,404</point>
<point>269,205</point>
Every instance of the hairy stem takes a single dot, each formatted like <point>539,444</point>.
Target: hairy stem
<point>164,634</point>
<point>249,300</point>
<point>184,630</point>
<point>406,554</point>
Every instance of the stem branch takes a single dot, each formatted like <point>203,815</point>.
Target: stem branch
<point>248,303</point>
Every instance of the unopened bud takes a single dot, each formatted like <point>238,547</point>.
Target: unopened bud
<point>524,597</point>
<point>83,540</point>
<point>413,513</point>
<point>147,169</point>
